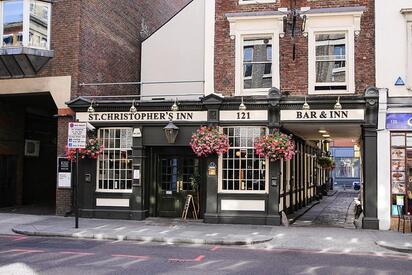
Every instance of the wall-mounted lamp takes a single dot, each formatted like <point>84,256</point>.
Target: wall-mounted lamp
<point>171,131</point>
<point>338,106</point>
<point>91,108</point>
<point>305,105</point>
<point>175,107</point>
<point>242,106</point>
<point>133,107</point>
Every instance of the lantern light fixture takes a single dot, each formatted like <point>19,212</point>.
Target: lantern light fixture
<point>242,106</point>
<point>91,108</point>
<point>305,105</point>
<point>175,107</point>
<point>171,132</point>
<point>338,106</point>
<point>133,108</point>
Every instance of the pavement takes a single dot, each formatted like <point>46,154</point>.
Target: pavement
<point>326,226</point>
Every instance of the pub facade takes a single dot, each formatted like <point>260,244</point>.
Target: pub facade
<point>249,69</point>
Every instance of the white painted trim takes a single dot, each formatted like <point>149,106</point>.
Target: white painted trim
<point>348,22</point>
<point>113,202</point>
<point>266,26</point>
<point>350,60</point>
<point>26,23</point>
<point>220,177</point>
<point>209,61</point>
<point>408,18</point>
<point>1,24</point>
<point>242,205</point>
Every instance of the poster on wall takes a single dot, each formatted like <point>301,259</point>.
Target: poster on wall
<point>126,138</point>
<point>398,176</point>
<point>64,175</point>
<point>398,188</point>
<point>398,154</point>
<point>398,165</point>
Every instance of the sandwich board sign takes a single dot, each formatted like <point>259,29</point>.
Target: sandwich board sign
<point>76,138</point>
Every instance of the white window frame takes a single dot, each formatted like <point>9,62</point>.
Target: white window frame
<point>26,24</point>
<point>348,21</point>
<point>261,26</point>
<point>350,62</point>
<point>348,73</point>
<point>220,171</point>
<point>255,90</point>
<point>249,2</point>
<point>98,190</point>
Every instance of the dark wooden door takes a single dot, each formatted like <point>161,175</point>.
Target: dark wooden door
<point>8,176</point>
<point>176,180</point>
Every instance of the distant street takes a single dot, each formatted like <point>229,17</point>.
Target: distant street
<point>34,255</point>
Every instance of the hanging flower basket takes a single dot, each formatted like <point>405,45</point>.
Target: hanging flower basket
<point>326,162</point>
<point>208,141</point>
<point>92,151</point>
<point>275,146</point>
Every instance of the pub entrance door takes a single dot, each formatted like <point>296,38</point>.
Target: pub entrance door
<point>178,177</point>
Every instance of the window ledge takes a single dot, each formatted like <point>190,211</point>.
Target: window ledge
<point>243,2</point>
<point>19,62</point>
<point>334,92</point>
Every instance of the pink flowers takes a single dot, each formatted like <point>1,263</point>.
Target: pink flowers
<point>208,141</point>
<point>92,151</point>
<point>275,146</point>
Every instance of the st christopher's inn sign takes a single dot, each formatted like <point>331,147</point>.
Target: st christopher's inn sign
<point>164,116</point>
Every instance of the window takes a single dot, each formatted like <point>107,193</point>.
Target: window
<point>331,70</point>
<point>257,64</point>
<point>256,51</point>
<point>114,165</point>
<point>401,173</point>
<point>12,23</point>
<point>39,25</point>
<point>177,174</point>
<point>19,30</point>
<point>242,169</point>
<point>331,50</point>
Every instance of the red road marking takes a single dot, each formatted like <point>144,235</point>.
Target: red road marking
<point>130,256</point>
<point>77,253</point>
<point>27,250</point>
<point>216,247</point>
<point>20,238</point>
<point>197,259</point>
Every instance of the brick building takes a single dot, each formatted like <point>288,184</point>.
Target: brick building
<point>248,67</point>
<point>48,48</point>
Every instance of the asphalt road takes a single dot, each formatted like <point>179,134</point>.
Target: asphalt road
<point>34,255</point>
